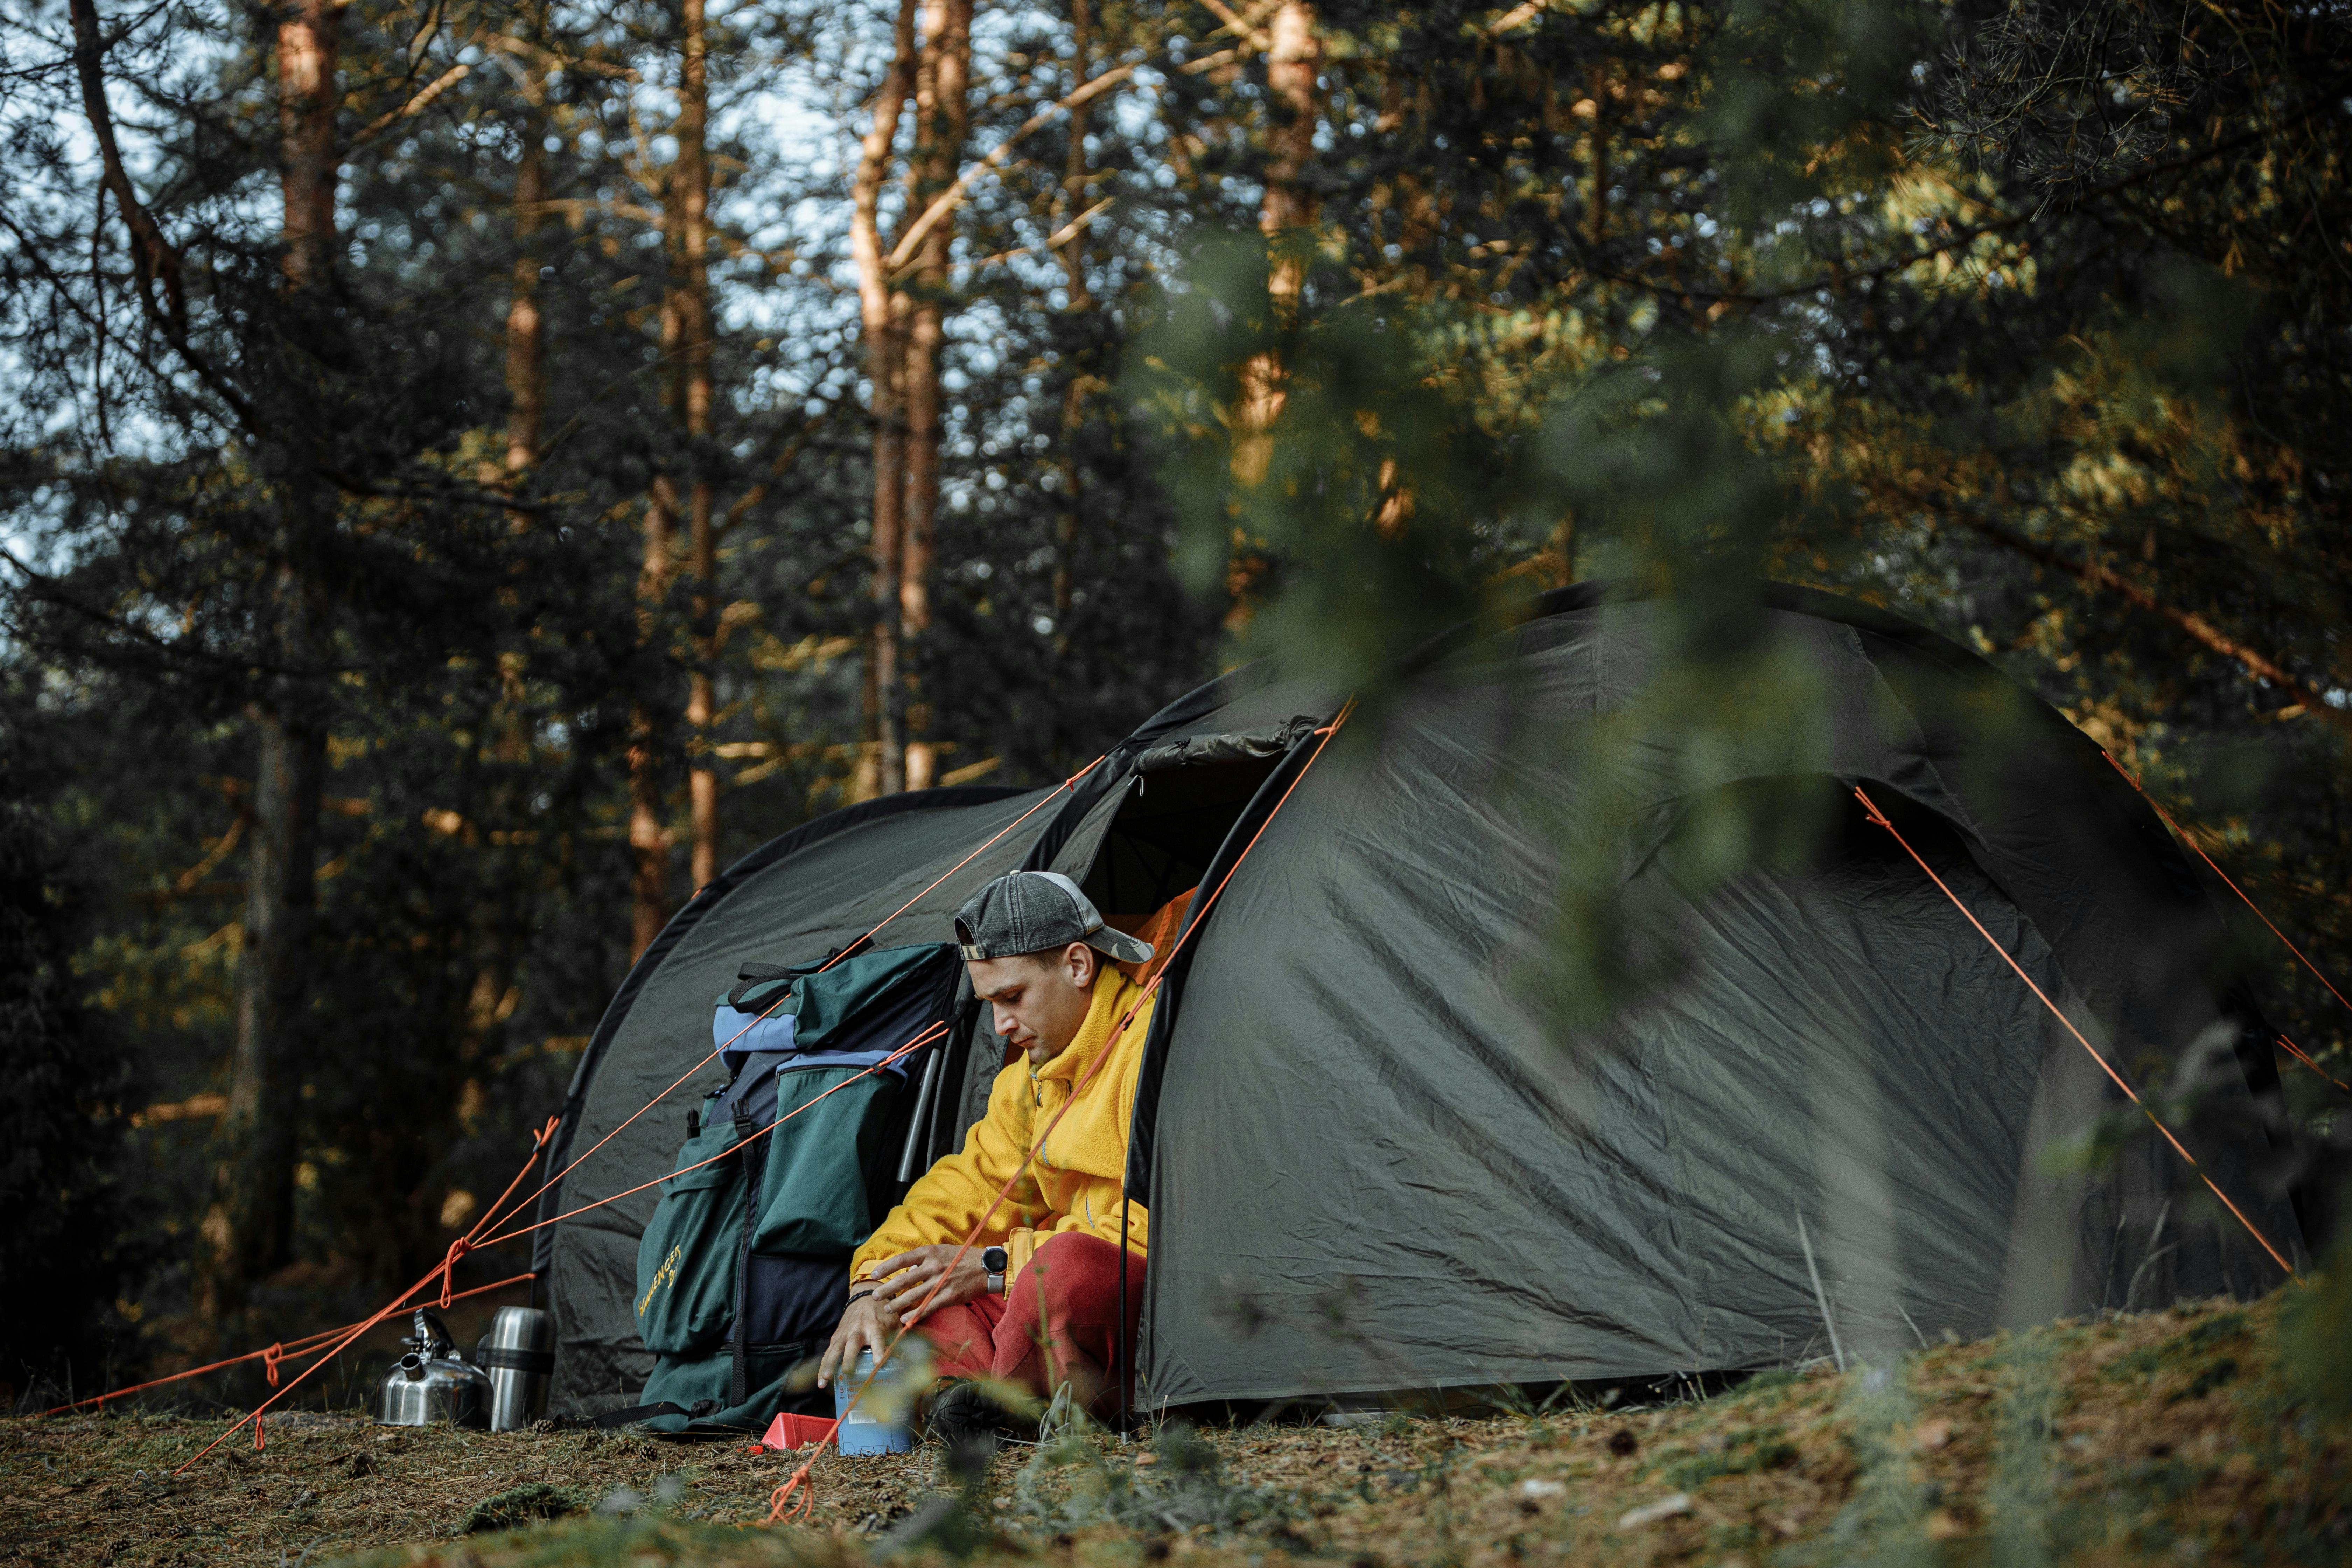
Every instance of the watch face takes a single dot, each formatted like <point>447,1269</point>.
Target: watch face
<point>992,1260</point>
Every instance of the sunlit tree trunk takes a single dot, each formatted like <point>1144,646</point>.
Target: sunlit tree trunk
<point>882,767</point>
<point>648,838</point>
<point>943,107</point>
<point>248,1228</point>
<point>648,833</point>
<point>1076,182</point>
<point>690,191</point>
<point>308,42</point>
<point>1291,65</point>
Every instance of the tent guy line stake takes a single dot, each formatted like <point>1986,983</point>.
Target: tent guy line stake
<point>2131,1094</point>
<point>780,1508</point>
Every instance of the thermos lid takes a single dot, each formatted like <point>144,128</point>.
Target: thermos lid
<point>520,1329</point>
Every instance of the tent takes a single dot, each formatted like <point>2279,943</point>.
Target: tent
<point>1376,1159</point>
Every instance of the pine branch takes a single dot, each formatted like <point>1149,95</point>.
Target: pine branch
<point>153,261</point>
<point>2106,579</point>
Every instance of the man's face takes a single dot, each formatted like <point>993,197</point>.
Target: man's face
<point>1041,999</point>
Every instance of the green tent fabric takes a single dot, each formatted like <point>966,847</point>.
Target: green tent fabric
<point>1373,1164</point>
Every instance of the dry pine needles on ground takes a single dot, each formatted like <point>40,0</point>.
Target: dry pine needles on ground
<point>2161,1437</point>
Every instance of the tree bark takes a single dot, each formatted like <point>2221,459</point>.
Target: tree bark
<point>882,767</point>
<point>648,839</point>
<point>1077,178</point>
<point>648,836</point>
<point>943,109</point>
<point>1076,173</point>
<point>249,1226</point>
<point>309,37</point>
<point>690,190</point>
<point>1291,66</point>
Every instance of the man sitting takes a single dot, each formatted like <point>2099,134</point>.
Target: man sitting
<point>1034,1300</point>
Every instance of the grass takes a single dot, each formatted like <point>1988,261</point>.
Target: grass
<point>2166,1438</point>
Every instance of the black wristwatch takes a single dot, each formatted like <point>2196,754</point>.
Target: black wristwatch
<point>993,1260</point>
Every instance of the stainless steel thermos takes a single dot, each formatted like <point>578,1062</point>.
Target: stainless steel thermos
<point>519,1353</point>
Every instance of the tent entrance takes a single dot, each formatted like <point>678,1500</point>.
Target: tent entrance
<point>1168,829</point>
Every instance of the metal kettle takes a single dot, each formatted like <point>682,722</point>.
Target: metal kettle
<point>434,1384</point>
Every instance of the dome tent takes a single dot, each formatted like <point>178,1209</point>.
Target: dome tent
<point>1372,1164</point>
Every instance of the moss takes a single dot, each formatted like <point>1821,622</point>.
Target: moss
<point>530,1503</point>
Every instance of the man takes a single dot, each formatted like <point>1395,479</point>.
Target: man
<point>1034,1299</point>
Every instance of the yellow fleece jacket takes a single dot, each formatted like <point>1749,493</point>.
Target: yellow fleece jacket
<point>1077,1180</point>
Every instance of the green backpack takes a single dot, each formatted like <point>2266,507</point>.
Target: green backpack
<point>744,1270</point>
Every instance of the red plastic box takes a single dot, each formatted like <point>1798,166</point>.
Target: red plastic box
<point>790,1432</point>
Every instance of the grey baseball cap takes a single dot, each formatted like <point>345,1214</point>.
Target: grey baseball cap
<point>1038,912</point>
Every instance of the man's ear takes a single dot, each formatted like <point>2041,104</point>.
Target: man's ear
<point>1081,964</point>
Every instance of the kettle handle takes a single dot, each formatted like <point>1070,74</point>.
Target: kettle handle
<point>433,1335</point>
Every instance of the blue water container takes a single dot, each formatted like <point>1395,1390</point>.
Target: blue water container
<point>878,1425</point>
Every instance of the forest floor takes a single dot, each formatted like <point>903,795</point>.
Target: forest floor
<point>2159,1438</point>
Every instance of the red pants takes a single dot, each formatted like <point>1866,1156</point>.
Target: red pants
<point>1053,1325</point>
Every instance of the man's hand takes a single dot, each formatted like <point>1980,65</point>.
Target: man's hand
<point>908,1280</point>
<point>867,1325</point>
<point>902,1284</point>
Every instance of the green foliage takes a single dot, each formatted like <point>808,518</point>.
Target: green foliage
<point>516,1507</point>
<point>1887,1521</point>
<point>1185,1490</point>
<point>2021,1499</point>
<point>2315,1337</point>
<point>1742,1453</point>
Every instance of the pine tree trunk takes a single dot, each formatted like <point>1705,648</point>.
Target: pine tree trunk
<point>943,102</point>
<point>1291,65</point>
<point>648,839</point>
<point>648,836</point>
<point>249,1228</point>
<point>1076,179</point>
<point>882,766</point>
<point>690,189</point>
<point>309,38</point>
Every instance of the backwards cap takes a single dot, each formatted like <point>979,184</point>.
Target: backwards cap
<point>1024,912</point>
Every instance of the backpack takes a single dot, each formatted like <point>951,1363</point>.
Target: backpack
<point>744,1270</point>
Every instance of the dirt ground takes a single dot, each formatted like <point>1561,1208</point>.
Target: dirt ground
<point>2163,1437</point>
